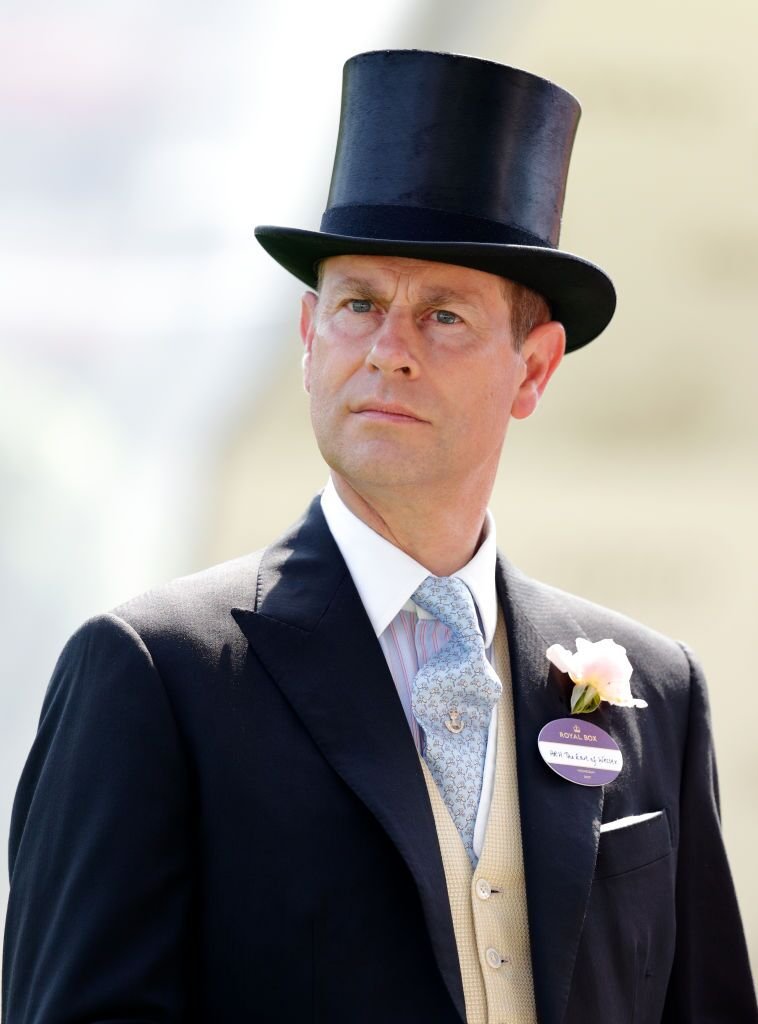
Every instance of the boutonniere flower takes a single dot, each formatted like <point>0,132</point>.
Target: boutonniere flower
<point>600,671</point>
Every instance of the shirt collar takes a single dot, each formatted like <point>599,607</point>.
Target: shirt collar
<point>385,577</point>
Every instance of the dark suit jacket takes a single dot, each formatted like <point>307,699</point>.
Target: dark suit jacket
<point>223,819</point>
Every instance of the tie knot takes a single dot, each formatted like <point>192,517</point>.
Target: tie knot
<point>448,599</point>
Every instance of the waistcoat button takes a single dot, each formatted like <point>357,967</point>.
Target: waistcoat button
<point>483,889</point>
<point>493,958</point>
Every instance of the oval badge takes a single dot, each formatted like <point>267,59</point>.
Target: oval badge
<point>580,752</point>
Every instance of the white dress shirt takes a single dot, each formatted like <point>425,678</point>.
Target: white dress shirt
<point>385,578</point>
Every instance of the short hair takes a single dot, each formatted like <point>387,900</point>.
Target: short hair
<point>528,308</point>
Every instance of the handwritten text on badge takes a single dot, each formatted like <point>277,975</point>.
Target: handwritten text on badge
<point>580,752</point>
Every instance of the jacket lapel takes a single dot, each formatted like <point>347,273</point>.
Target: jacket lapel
<point>560,821</point>
<point>312,635</point>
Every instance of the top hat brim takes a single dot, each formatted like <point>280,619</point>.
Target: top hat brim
<point>580,295</point>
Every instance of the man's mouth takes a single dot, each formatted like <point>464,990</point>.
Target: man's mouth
<point>389,412</point>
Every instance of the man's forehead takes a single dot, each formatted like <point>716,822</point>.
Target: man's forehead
<point>388,270</point>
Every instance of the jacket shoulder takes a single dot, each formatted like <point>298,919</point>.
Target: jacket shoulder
<point>194,611</point>
<point>228,583</point>
<point>546,604</point>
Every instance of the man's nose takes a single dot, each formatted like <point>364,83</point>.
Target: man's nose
<point>394,345</point>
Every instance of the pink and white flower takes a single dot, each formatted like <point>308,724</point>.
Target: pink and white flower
<point>600,670</point>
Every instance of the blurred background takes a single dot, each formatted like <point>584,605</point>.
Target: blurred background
<point>152,419</point>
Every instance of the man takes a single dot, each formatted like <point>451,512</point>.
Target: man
<point>306,785</point>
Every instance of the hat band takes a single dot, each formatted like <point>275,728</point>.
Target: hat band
<point>421,224</point>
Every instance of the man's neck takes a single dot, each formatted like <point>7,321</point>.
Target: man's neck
<point>441,538</point>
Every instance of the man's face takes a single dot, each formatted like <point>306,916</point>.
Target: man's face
<point>412,374</point>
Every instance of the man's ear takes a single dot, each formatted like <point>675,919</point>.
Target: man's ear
<point>542,351</point>
<point>307,330</point>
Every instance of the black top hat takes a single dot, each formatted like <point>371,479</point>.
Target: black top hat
<point>457,160</point>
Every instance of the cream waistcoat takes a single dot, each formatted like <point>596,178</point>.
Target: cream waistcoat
<point>488,903</point>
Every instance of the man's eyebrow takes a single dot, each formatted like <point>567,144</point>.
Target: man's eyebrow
<point>439,296</point>
<point>356,286</point>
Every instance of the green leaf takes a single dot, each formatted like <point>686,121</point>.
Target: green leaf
<point>584,699</point>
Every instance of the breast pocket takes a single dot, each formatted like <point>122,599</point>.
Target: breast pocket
<point>627,945</point>
<point>634,846</point>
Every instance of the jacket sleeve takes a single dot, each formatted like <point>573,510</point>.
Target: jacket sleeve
<point>710,979</point>
<point>100,846</point>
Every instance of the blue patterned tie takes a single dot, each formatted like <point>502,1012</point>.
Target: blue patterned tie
<point>453,697</point>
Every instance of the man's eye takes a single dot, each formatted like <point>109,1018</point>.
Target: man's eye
<point>360,305</point>
<point>444,316</point>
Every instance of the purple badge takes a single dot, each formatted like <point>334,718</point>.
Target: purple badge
<point>580,752</point>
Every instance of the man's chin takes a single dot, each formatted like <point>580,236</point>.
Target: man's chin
<point>386,474</point>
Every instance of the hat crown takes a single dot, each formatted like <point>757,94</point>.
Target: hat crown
<point>448,146</point>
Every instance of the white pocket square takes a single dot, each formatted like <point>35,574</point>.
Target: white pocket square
<point>632,819</point>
